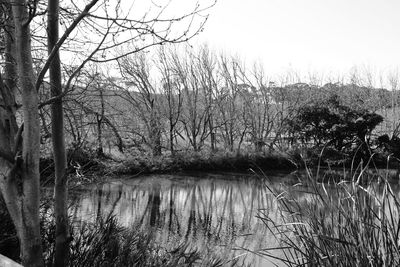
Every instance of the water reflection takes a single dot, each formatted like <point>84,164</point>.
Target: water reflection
<point>216,214</point>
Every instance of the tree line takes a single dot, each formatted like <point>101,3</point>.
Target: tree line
<point>177,99</point>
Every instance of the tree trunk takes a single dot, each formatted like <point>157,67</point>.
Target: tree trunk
<point>171,140</point>
<point>212,134</point>
<point>155,135</point>
<point>100,152</point>
<point>59,153</point>
<point>106,121</point>
<point>10,73</point>
<point>20,181</point>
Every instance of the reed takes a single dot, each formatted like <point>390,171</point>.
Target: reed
<point>348,223</point>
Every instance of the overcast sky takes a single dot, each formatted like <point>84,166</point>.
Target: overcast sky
<point>326,36</point>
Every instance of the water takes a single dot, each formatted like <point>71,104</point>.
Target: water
<point>217,214</point>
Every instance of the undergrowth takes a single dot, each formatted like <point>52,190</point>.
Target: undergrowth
<point>195,161</point>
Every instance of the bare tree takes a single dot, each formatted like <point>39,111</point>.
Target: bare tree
<point>208,74</point>
<point>95,100</point>
<point>194,109</point>
<point>262,113</point>
<point>171,89</point>
<point>230,104</point>
<point>143,95</point>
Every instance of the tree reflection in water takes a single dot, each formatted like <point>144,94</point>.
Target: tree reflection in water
<point>216,214</point>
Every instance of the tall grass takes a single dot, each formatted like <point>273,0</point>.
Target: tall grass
<point>105,242</point>
<point>340,224</point>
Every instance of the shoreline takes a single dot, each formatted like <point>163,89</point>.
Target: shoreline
<point>86,166</point>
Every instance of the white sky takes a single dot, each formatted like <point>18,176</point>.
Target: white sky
<point>329,37</point>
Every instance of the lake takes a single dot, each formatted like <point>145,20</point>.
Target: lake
<point>215,213</point>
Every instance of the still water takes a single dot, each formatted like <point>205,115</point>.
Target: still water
<point>216,213</point>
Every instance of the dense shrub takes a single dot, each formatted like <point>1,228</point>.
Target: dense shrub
<point>331,123</point>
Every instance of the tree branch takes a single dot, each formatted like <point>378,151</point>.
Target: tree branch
<point>57,46</point>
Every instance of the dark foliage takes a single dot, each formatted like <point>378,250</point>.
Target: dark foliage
<point>390,145</point>
<point>211,163</point>
<point>9,244</point>
<point>331,123</point>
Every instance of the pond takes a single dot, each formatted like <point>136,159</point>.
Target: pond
<point>215,213</point>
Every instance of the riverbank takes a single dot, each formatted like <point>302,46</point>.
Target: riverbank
<point>243,163</point>
<point>86,167</point>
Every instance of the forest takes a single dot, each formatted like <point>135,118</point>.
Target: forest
<point>95,91</point>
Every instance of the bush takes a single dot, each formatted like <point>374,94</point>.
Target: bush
<point>330,122</point>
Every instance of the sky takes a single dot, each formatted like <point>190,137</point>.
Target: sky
<point>329,37</point>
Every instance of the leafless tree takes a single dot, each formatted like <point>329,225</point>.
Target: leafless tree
<point>171,89</point>
<point>142,93</point>
<point>230,104</point>
<point>208,74</point>
<point>194,109</point>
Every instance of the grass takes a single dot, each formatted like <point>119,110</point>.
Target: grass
<point>340,224</point>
